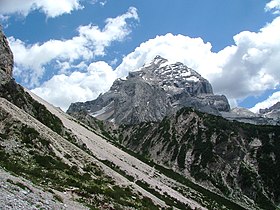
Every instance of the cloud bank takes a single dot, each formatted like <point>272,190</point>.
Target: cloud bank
<point>62,90</point>
<point>52,8</point>
<point>91,41</point>
<point>273,6</point>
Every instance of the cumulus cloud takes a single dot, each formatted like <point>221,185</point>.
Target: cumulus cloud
<point>273,6</point>
<point>194,52</point>
<point>270,101</point>
<point>249,67</point>
<point>30,60</point>
<point>51,8</point>
<point>61,90</point>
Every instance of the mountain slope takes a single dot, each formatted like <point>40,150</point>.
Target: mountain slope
<point>152,92</point>
<point>44,151</point>
<point>127,164</point>
<point>31,150</point>
<point>240,161</point>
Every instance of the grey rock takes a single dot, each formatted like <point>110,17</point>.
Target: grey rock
<point>152,92</point>
<point>6,55</point>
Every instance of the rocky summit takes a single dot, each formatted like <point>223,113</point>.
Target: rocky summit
<point>157,89</point>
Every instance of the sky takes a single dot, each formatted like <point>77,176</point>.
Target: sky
<point>72,50</point>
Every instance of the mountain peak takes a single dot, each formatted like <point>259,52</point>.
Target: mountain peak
<point>155,62</point>
<point>160,59</point>
<point>157,89</point>
<point>173,77</point>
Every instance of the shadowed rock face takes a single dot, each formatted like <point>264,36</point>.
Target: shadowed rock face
<point>6,55</point>
<point>154,91</point>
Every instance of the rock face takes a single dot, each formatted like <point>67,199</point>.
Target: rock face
<point>6,55</point>
<point>152,92</point>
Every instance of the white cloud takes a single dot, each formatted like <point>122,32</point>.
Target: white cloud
<point>3,18</point>
<point>270,101</point>
<point>51,8</point>
<point>273,6</point>
<point>191,51</point>
<point>116,29</point>
<point>251,65</point>
<point>62,90</point>
<point>30,60</point>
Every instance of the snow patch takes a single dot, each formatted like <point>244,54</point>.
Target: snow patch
<point>192,79</point>
<point>101,111</point>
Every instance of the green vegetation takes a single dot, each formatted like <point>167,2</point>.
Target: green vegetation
<point>58,198</point>
<point>118,170</point>
<point>19,184</point>
<point>165,197</point>
<point>182,157</point>
<point>16,95</point>
<point>209,197</point>
<point>38,163</point>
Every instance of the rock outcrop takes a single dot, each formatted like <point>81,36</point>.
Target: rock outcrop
<point>272,112</point>
<point>6,55</point>
<point>152,92</point>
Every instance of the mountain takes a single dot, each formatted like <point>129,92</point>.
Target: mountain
<point>49,160</point>
<point>187,160</point>
<point>167,113</point>
<point>232,158</point>
<point>157,89</point>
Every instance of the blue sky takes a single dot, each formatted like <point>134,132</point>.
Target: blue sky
<point>72,50</point>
